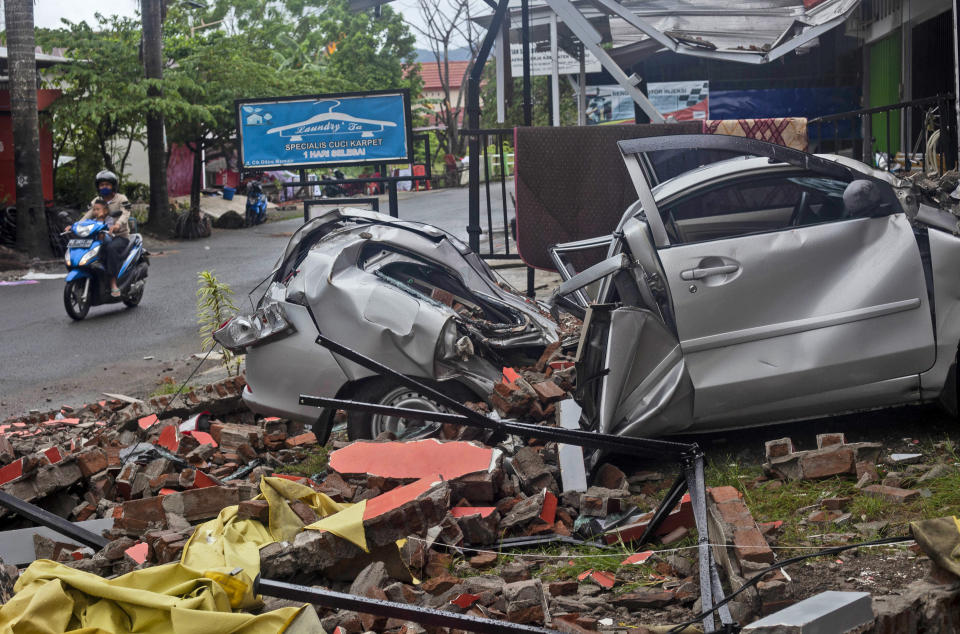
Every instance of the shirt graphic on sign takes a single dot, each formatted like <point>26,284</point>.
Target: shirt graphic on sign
<point>331,123</point>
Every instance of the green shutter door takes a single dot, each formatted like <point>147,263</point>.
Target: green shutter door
<point>885,90</point>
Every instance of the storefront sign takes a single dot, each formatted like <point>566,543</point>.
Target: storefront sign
<point>321,130</point>
<point>541,61</point>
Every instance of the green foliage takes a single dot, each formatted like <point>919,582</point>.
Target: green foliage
<point>136,192</point>
<point>214,306</point>
<point>168,386</point>
<point>99,115</point>
<point>314,463</point>
<point>540,93</point>
<point>235,49</point>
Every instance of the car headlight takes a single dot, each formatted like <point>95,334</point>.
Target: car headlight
<point>243,331</point>
<point>89,256</point>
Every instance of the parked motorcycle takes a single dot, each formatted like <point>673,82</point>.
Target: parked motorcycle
<point>331,188</point>
<point>87,281</point>
<point>256,205</point>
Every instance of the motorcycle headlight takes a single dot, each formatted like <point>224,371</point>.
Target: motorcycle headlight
<point>268,322</point>
<point>89,256</point>
<point>66,257</point>
<point>82,230</point>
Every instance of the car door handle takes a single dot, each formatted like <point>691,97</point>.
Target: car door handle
<point>699,274</point>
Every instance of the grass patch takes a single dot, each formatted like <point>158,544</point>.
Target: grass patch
<point>792,502</point>
<point>168,386</point>
<point>314,463</point>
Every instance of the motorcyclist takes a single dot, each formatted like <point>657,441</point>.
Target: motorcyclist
<point>107,182</point>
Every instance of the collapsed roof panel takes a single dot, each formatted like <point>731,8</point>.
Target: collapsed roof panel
<point>756,31</point>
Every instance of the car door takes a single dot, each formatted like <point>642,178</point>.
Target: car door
<point>800,320</point>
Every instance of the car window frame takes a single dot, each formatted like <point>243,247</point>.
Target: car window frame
<point>786,170</point>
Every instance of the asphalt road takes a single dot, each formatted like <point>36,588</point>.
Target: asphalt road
<point>47,360</point>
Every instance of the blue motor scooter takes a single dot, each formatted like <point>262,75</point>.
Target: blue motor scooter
<point>87,282</point>
<point>256,205</point>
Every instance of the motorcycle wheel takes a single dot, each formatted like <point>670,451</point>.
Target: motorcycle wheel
<point>133,298</point>
<point>77,307</point>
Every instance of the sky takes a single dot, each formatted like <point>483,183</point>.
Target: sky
<point>47,13</point>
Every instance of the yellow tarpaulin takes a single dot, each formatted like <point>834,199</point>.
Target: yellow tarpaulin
<point>53,598</point>
<point>176,598</point>
<point>231,543</point>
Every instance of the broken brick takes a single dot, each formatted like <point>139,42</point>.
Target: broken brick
<point>749,545</point>
<point>548,391</point>
<point>610,477</point>
<point>892,494</point>
<point>200,504</point>
<point>778,448</point>
<point>825,463</point>
<point>829,440</point>
<point>302,440</point>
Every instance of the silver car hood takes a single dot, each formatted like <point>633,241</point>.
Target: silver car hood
<point>409,295</point>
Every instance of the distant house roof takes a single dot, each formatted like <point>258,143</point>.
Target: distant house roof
<point>43,59</point>
<point>430,72</point>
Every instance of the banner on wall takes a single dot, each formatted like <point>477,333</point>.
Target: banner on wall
<point>541,62</point>
<point>325,130</point>
<point>675,100</point>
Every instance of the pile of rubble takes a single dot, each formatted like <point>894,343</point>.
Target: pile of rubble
<point>146,474</point>
<point>151,471</point>
<point>940,191</point>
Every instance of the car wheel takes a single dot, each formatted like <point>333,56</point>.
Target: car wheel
<point>73,300</point>
<point>364,425</point>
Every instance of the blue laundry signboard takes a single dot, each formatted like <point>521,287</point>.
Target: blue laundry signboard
<point>322,130</point>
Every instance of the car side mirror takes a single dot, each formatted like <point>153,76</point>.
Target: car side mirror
<point>116,214</point>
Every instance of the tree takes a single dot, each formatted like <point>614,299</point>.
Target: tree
<point>448,25</point>
<point>540,93</point>
<point>21,59</point>
<point>101,105</point>
<point>209,72</point>
<point>334,48</point>
<point>161,219</point>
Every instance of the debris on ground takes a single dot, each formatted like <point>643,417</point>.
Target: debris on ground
<point>201,484</point>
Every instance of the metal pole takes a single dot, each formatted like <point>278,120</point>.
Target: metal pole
<point>424,616</point>
<point>525,37</point>
<point>582,97</point>
<point>956,76</point>
<point>473,117</point>
<point>554,70</point>
<point>392,189</point>
<point>39,516</point>
<point>502,61</point>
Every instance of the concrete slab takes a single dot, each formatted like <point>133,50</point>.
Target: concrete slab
<point>572,469</point>
<point>830,612</point>
<point>16,546</point>
<point>413,460</point>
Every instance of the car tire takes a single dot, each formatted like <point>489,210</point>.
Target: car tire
<point>384,391</point>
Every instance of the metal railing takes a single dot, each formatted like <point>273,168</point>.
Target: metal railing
<point>495,205</point>
<point>877,135</point>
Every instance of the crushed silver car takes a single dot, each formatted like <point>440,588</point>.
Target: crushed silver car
<point>773,286</point>
<point>405,294</point>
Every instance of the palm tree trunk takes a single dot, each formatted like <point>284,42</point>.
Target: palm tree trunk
<point>31,214</point>
<point>161,219</point>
